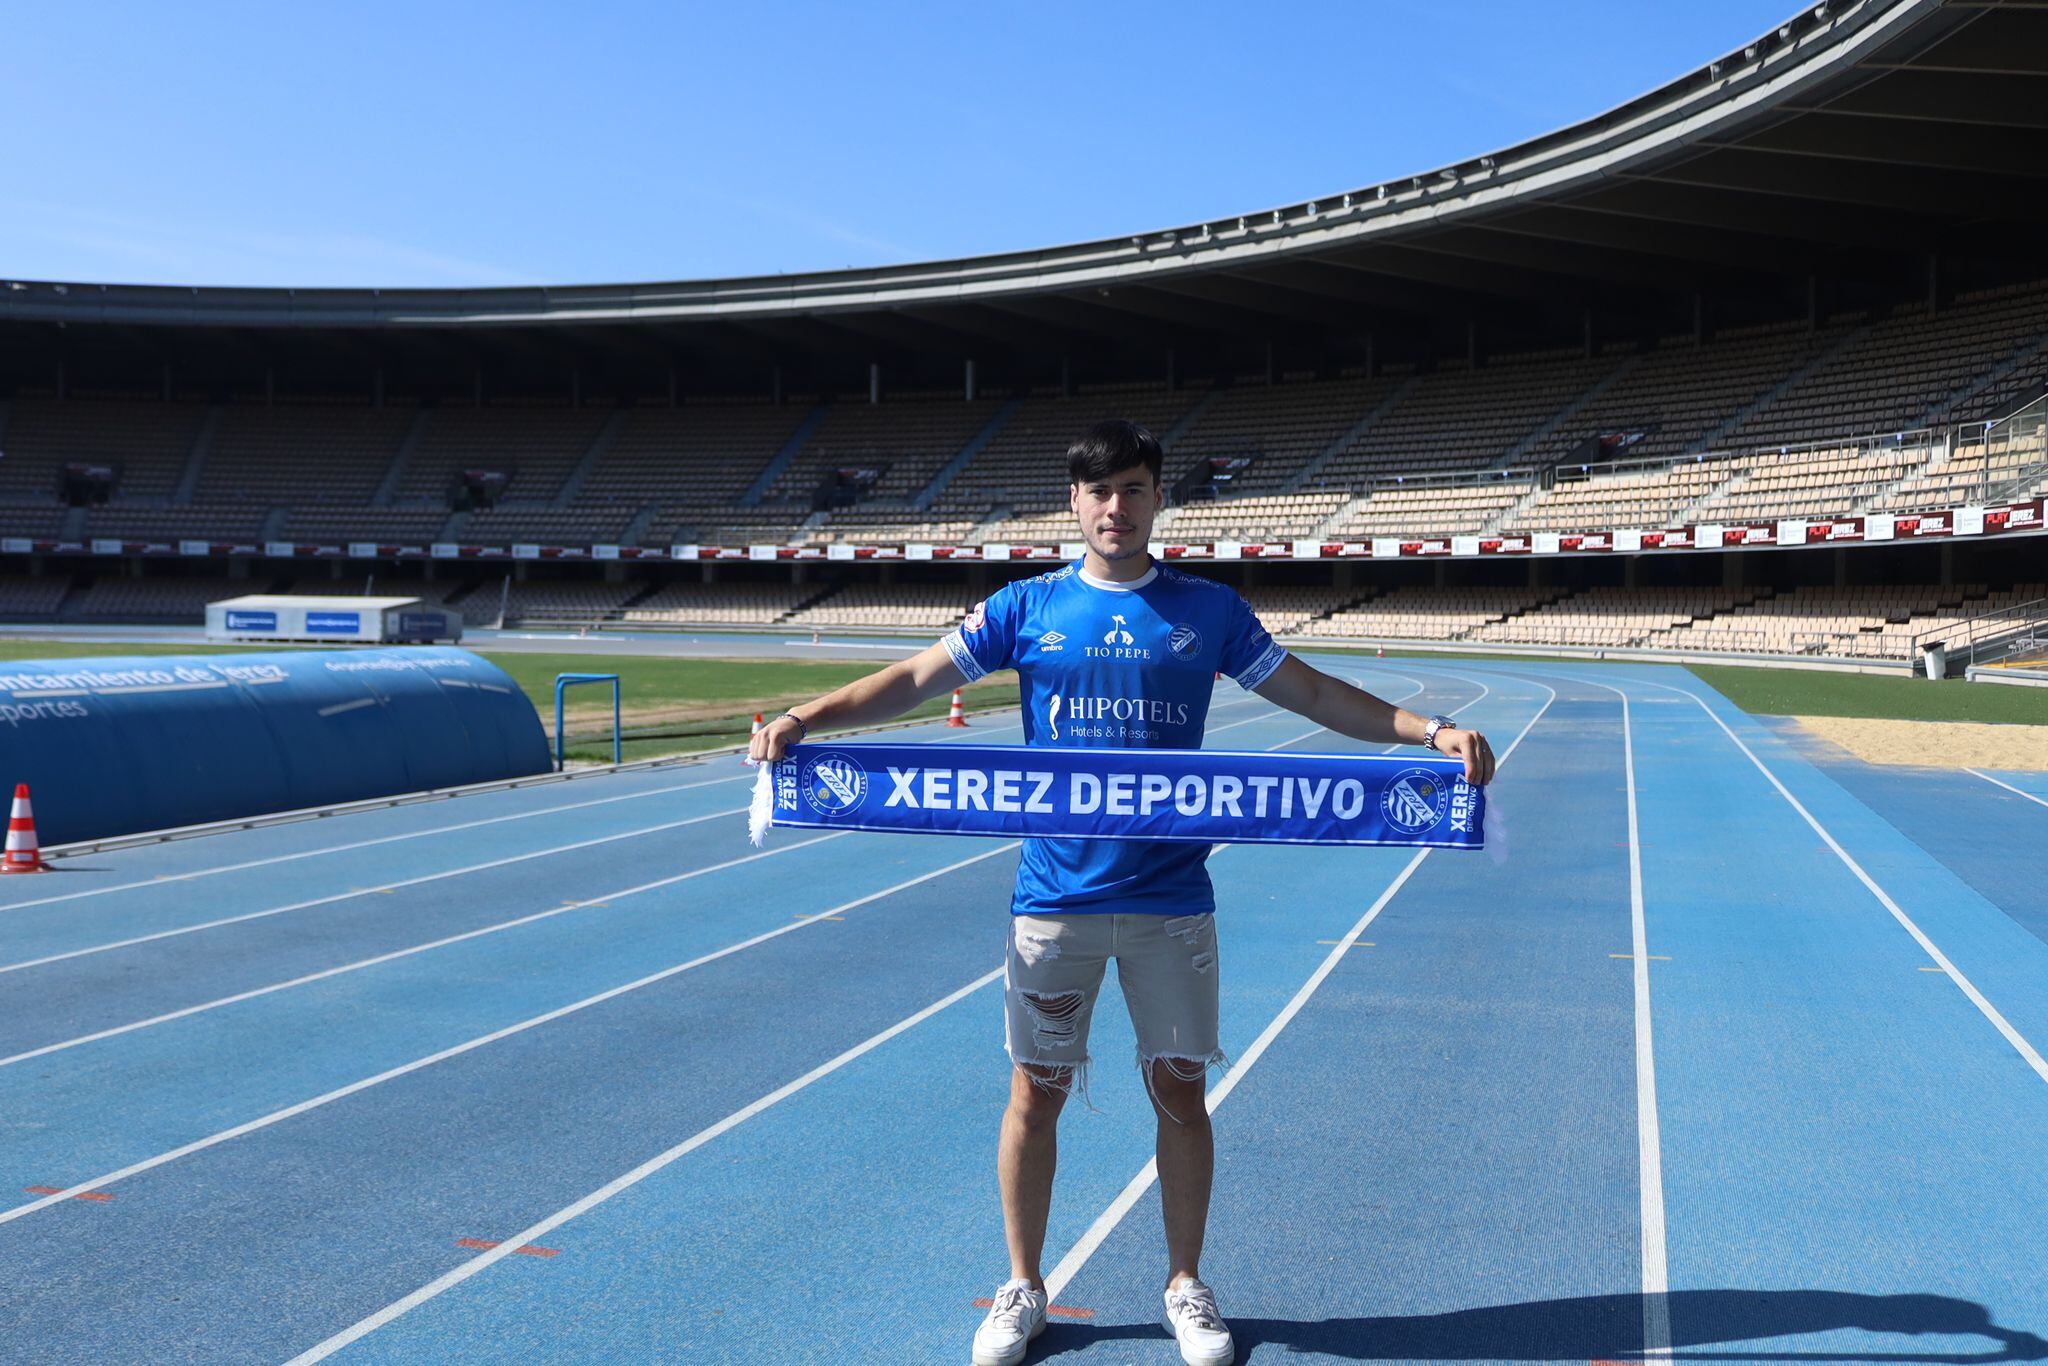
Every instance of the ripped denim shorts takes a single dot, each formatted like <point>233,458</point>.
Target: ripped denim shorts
<point>1166,965</point>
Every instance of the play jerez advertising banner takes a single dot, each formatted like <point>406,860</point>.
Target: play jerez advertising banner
<point>1204,796</point>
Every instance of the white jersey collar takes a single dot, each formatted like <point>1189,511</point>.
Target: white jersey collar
<point>1108,586</point>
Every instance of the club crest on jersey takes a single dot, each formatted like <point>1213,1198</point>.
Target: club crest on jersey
<point>1415,800</point>
<point>976,616</point>
<point>1185,642</point>
<point>835,783</point>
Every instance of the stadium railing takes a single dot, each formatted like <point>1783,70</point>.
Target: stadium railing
<point>1989,636</point>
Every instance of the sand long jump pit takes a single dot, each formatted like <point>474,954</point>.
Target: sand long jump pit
<point>1935,744</point>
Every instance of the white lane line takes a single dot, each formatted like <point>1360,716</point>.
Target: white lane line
<point>168,878</point>
<point>1649,1132</point>
<point>1106,1222</point>
<point>602,899</point>
<point>1275,713</point>
<point>541,1229</point>
<point>356,892</point>
<point>1484,691</point>
<point>2017,791</point>
<point>385,957</point>
<point>1990,1012</point>
<point>352,894</point>
<point>164,878</point>
<point>405,1069</point>
<point>1278,712</point>
<point>363,1327</point>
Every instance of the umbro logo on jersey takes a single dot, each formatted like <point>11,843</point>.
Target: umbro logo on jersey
<point>1050,642</point>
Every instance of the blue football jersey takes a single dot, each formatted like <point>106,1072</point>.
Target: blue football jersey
<point>1115,666</point>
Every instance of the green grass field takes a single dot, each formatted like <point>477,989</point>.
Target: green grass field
<point>1811,692</point>
<point>678,706</point>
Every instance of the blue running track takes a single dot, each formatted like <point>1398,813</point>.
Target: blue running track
<point>572,1073</point>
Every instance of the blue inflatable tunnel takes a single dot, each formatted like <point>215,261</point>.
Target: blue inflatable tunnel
<point>115,745</point>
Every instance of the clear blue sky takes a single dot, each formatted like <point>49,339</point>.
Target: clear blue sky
<point>432,143</point>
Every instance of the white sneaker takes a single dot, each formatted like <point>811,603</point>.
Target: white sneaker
<point>1192,1319</point>
<point>1016,1317</point>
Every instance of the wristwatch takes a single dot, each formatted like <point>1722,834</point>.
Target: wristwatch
<point>1436,723</point>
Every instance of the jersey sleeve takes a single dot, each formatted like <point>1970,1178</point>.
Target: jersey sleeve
<point>987,639</point>
<point>1249,654</point>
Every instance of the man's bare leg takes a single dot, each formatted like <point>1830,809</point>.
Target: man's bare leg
<point>1187,1167</point>
<point>1025,1159</point>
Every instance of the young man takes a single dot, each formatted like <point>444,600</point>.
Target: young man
<point>1114,651</point>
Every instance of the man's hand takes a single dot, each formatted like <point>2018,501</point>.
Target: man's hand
<point>1470,746</point>
<point>772,740</point>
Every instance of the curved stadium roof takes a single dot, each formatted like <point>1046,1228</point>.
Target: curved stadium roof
<point>1854,145</point>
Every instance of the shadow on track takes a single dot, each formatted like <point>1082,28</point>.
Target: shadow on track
<point>1607,1327</point>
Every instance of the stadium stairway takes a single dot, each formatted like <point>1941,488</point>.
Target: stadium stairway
<point>1345,438</point>
<point>1510,615</point>
<point>636,530</point>
<point>572,484</point>
<point>975,445</point>
<point>824,592</point>
<point>1771,395</point>
<point>1997,374</point>
<point>1359,600</point>
<point>1512,514</point>
<point>785,457</point>
<point>1325,529</point>
<point>68,604</point>
<point>1188,419</point>
<point>394,474</point>
<point>1937,453</point>
<point>1732,614</point>
<point>1565,414</point>
<point>195,459</point>
<point>1737,480</point>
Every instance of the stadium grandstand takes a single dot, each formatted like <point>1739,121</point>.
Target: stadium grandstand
<point>1686,376</point>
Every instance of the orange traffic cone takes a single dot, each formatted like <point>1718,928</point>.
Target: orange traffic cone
<point>22,854</point>
<point>758,723</point>
<point>958,716</point>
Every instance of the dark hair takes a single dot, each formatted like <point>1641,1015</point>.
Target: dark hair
<point>1111,446</point>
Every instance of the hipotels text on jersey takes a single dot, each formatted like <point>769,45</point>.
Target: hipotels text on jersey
<point>1086,715</point>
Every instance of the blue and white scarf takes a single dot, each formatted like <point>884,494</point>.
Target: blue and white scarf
<point>1195,795</point>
